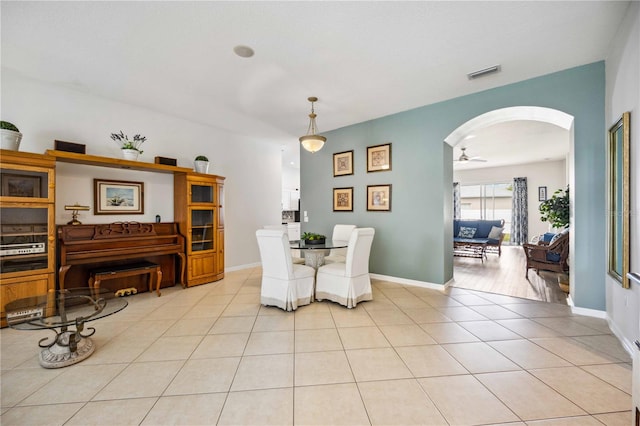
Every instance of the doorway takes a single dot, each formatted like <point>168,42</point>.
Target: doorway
<point>486,198</point>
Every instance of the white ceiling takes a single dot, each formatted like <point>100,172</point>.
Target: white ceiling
<point>363,60</point>
<point>512,143</point>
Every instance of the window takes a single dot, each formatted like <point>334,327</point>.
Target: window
<point>487,201</point>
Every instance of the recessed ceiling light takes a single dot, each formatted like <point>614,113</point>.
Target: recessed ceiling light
<point>243,51</point>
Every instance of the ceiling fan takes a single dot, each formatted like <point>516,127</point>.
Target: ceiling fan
<point>464,158</point>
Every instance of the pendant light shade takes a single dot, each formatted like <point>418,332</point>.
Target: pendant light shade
<point>312,142</point>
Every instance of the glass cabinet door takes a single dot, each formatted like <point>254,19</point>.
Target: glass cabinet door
<point>23,239</point>
<point>202,235</point>
<point>20,183</point>
<point>201,193</point>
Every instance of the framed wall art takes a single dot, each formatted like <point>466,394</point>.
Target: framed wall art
<point>379,158</point>
<point>619,204</point>
<point>118,197</point>
<point>379,198</point>
<point>343,199</point>
<point>542,193</point>
<point>27,186</point>
<point>343,163</point>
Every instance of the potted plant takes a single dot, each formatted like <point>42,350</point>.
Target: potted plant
<point>556,209</point>
<point>201,164</point>
<point>311,238</point>
<point>130,147</point>
<point>11,136</point>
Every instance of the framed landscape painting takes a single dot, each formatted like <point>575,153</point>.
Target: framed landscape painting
<point>118,197</point>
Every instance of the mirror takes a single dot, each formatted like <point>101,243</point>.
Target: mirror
<point>619,200</point>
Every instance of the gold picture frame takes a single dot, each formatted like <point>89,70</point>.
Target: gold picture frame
<point>619,203</point>
<point>343,199</point>
<point>379,158</point>
<point>379,198</point>
<point>343,163</point>
<point>27,186</point>
<point>118,197</point>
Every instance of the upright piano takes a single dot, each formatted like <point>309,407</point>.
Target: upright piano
<point>81,247</point>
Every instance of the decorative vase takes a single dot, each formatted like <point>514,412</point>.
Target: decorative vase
<point>130,154</point>
<point>10,139</point>
<point>201,166</point>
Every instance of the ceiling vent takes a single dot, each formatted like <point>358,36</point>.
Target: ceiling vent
<point>481,73</point>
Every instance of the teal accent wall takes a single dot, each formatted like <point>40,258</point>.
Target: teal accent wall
<point>413,241</point>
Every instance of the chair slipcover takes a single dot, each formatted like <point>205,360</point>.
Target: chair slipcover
<point>341,234</point>
<point>284,284</point>
<point>295,254</point>
<point>348,283</point>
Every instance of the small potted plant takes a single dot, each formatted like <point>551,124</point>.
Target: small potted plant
<point>130,147</point>
<point>11,136</point>
<point>201,164</point>
<point>311,238</point>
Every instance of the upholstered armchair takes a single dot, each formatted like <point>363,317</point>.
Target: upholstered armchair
<point>551,256</point>
<point>348,283</point>
<point>341,234</point>
<point>284,284</point>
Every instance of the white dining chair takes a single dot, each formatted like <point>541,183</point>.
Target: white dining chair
<point>341,234</point>
<point>295,254</point>
<point>284,284</point>
<point>348,283</point>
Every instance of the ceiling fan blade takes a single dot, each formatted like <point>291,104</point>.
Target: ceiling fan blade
<point>477,159</point>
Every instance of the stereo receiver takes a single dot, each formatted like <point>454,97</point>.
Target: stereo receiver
<point>26,248</point>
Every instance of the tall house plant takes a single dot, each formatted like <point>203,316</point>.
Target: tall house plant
<point>555,210</point>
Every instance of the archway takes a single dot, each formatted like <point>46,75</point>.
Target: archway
<point>524,113</point>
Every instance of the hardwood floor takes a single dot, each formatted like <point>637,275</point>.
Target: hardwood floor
<point>505,275</point>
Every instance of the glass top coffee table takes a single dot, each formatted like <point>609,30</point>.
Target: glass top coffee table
<point>66,310</point>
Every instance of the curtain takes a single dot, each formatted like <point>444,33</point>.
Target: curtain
<point>456,200</point>
<point>519,215</point>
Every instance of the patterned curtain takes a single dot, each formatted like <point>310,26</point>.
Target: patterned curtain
<point>456,200</point>
<point>519,215</point>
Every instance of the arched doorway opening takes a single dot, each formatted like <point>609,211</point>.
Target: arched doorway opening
<point>509,118</point>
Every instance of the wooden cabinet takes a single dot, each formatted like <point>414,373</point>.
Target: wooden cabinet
<point>198,209</point>
<point>27,226</point>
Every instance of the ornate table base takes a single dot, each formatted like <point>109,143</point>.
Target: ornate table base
<point>69,347</point>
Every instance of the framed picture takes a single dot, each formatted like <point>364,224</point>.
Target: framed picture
<point>619,204</point>
<point>20,186</point>
<point>118,197</point>
<point>343,163</point>
<point>379,198</point>
<point>343,199</point>
<point>542,193</point>
<point>379,158</point>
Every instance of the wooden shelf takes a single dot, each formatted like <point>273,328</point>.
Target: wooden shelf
<point>116,163</point>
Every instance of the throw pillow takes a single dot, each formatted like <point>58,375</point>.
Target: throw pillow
<point>466,232</point>
<point>495,233</point>
<point>558,235</point>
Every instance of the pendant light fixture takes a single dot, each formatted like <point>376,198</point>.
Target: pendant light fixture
<point>312,142</point>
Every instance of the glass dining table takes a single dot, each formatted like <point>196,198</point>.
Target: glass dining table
<point>314,253</point>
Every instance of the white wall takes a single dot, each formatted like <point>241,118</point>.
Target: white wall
<point>551,174</point>
<point>44,112</point>
<point>623,94</point>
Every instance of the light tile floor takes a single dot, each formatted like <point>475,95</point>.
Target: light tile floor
<point>213,355</point>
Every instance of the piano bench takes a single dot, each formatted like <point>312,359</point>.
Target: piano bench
<point>97,275</point>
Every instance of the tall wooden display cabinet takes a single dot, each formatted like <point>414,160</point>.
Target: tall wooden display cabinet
<point>27,226</point>
<point>198,209</point>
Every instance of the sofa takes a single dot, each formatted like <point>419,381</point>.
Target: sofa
<point>478,232</point>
